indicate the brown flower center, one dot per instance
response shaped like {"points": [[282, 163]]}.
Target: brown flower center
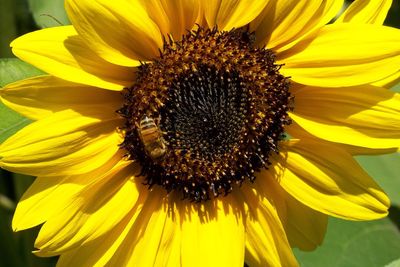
{"points": [[206, 114]]}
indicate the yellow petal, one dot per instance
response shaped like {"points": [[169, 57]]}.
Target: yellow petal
{"points": [[228, 14], [362, 11], [356, 150], [282, 24], [119, 31], [42, 96], [344, 54], [174, 17], [295, 131], [65, 143], [305, 228], [62, 53], [365, 116], [328, 179], [213, 234], [390, 81], [101, 251], [98, 208], [169, 249], [47, 196], [266, 242], [150, 236]]}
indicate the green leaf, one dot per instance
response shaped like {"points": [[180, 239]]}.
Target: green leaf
{"points": [[10, 122], [48, 13], [395, 263], [396, 88], [385, 169], [355, 244], [11, 70]]}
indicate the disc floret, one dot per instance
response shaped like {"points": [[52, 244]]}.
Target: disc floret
{"points": [[221, 106]]}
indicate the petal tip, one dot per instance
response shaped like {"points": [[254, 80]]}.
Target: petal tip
{"points": [[15, 224], [13, 42]]}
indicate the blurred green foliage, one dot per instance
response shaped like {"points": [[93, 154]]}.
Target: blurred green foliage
{"points": [[355, 244], [347, 244]]}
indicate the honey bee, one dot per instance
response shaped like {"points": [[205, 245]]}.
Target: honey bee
{"points": [[151, 138]]}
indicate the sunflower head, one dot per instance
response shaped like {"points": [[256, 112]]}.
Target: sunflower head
{"points": [[217, 105]]}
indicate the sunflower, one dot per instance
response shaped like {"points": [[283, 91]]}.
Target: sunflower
{"points": [[201, 133]]}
